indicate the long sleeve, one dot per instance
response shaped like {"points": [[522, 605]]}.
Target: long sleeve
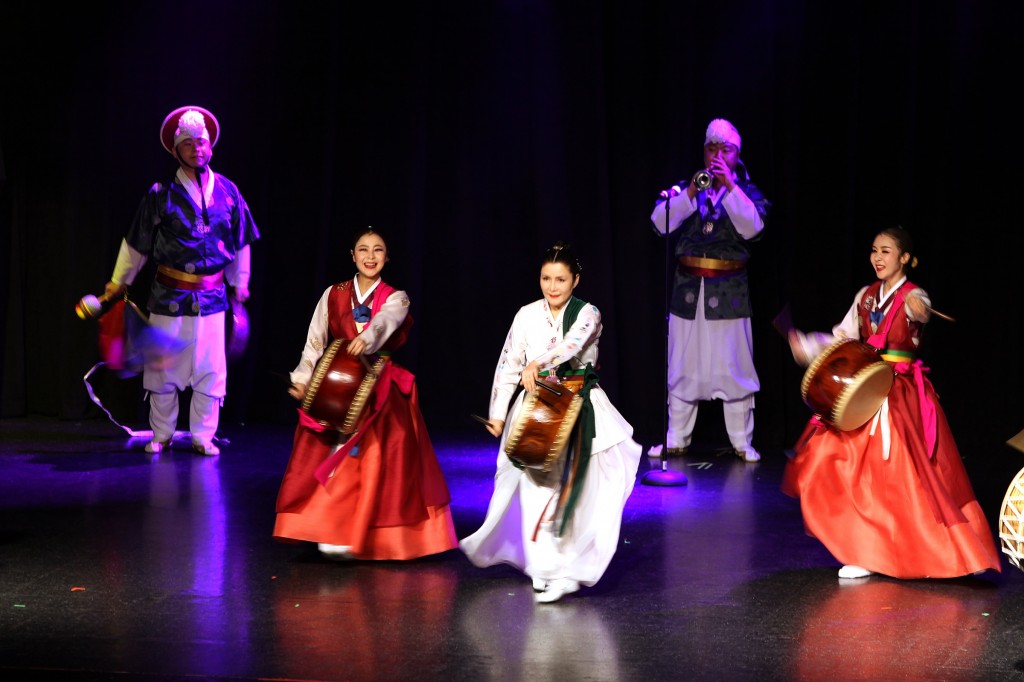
{"points": [[237, 271], [316, 341], [811, 344], [849, 327], [923, 295], [743, 213], [510, 366], [680, 208], [129, 263], [580, 336]]}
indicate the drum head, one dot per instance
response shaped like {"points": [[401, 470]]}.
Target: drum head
{"points": [[847, 383], [862, 397], [1011, 521]]}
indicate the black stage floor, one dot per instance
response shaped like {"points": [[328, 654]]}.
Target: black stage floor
{"points": [[118, 566]]}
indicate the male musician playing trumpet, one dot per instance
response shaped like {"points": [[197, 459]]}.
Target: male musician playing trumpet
{"points": [[710, 341]]}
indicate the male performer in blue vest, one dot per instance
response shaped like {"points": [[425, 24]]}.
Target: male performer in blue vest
{"points": [[197, 229], [710, 341]]}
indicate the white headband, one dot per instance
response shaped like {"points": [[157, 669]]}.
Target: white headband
{"points": [[192, 124], [721, 131]]}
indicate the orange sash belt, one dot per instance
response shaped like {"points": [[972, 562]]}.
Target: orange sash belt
{"points": [[709, 267], [176, 279]]}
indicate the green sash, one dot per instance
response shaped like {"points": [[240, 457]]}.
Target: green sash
{"points": [[582, 438]]}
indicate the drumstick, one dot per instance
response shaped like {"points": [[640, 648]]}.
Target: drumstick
{"points": [[938, 314], [283, 377], [547, 387], [1017, 442], [783, 322], [485, 422], [366, 364]]}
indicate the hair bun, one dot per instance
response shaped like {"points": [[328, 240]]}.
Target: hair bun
{"points": [[562, 252]]}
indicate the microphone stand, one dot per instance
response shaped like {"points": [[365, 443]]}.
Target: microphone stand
{"points": [[665, 476]]}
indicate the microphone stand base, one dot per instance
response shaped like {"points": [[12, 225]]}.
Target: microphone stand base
{"points": [[664, 477]]}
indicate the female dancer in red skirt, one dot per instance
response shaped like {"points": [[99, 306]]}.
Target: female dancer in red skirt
{"points": [[891, 496], [379, 493]]}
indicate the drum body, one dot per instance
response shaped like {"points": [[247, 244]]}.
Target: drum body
{"points": [[340, 388], [847, 383], [540, 434], [1011, 521]]}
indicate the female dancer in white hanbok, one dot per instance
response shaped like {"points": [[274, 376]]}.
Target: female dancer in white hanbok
{"points": [[560, 531]]}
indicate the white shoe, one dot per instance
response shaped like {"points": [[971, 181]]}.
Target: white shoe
{"points": [[336, 552], [155, 447], [556, 590], [749, 454], [851, 571], [539, 585], [208, 449]]}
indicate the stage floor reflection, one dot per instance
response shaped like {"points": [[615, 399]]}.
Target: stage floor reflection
{"points": [[116, 565]]}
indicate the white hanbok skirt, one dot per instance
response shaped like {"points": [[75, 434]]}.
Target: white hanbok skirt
{"points": [[519, 528]]}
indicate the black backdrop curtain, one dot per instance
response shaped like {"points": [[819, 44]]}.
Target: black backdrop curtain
{"points": [[475, 134]]}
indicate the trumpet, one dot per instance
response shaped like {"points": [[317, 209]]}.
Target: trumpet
{"points": [[702, 179]]}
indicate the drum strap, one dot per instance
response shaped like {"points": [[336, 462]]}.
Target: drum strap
{"points": [[572, 311], [579, 449], [583, 435]]}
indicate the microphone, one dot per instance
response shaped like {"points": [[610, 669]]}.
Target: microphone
{"points": [[673, 191]]}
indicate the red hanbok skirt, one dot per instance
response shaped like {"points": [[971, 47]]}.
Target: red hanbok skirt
{"points": [[387, 501], [908, 516]]}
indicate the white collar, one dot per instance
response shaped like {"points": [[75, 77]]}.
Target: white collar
{"points": [[884, 295], [554, 318], [361, 297], [193, 189]]}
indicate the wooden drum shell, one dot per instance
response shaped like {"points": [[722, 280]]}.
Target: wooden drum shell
{"points": [[340, 388], [847, 383], [540, 434]]}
